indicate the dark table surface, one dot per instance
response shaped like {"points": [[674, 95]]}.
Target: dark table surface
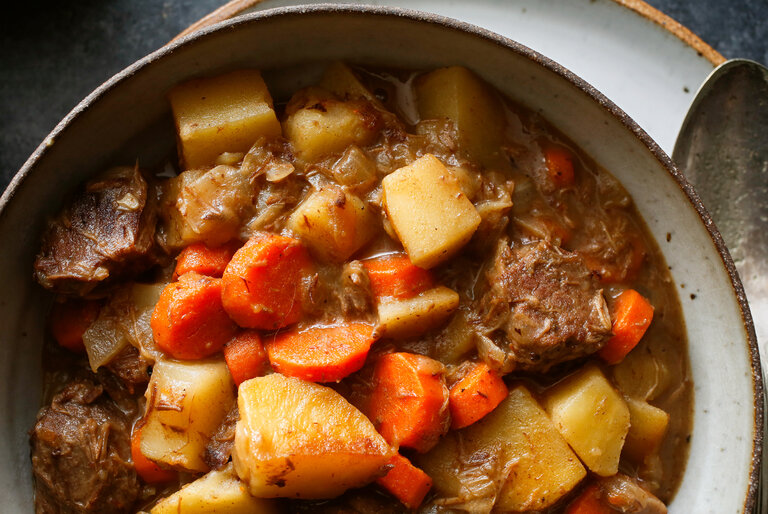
{"points": [[53, 53]]}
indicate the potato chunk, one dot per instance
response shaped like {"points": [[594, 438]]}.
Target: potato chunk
{"points": [[219, 492], [547, 468], [323, 126], [333, 223], [592, 417], [342, 81], [459, 95], [647, 427], [221, 114], [432, 217], [414, 316], [455, 342], [302, 440], [186, 403], [513, 459]]}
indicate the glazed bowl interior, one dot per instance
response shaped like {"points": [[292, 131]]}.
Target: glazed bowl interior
{"points": [[129, 117]]}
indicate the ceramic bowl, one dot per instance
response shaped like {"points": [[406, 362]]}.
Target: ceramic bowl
{"points": [[128, 116]]}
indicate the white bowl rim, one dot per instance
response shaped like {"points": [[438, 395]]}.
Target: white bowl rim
{"points": [[18, 181]]}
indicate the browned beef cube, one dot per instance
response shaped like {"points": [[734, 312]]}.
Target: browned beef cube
{"points": [[81, 454], [543, 305], [107, 231]]}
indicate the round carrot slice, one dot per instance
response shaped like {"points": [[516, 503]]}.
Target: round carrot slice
{"points": [[321, 354], [262, 285], [409, 402], [189, 321]]}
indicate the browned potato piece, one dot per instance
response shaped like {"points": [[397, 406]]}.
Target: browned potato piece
{"points": [[186, 403], [324, 126], [298, 439], [432, 217], [219, 492], [414, 316], [333, 223], [514, 457], [592, 417], [647, 427], [459, 95], [221, 114], [547, 469]]}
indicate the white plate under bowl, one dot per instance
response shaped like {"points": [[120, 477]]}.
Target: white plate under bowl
{"points": [[129, 116]]}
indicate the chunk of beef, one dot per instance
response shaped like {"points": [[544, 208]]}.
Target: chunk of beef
{"points": [[612, 246], [107, 231], [355, 292], [81, 454], [129, 367], [345, 292], [543, 306], [219, 449], [626, 496]]}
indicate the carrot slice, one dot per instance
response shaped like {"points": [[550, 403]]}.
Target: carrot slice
{"points": [[245, 356], [70, 320], [321, 354], [408, 405], [189, 321], [406, 482], [205, 260], [588, 502], [262, 284], [632, 317], [395, 276], [150, 472], [559, 162], [475, 395]]}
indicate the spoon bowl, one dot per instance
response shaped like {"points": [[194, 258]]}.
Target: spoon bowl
{"points": [[723, 150]]}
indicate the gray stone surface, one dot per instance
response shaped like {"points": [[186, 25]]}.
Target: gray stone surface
{"points": [[53, 53], [735, 28]]}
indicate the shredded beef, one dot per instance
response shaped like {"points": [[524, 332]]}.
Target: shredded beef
{"points": [[346, 292], [626, 496], [219, 449], [131, 369], [542, 306], [81, 454], [355, 292], [106, 232]]}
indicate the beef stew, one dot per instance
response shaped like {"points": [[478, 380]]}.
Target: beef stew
{"points": [[438, 302]]}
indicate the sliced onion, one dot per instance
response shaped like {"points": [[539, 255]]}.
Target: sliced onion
{"points": [[279, 170], [124, 321], [103, 340]]}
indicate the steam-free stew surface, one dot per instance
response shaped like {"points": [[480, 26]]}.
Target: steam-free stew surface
{"points": [[396, 290]]}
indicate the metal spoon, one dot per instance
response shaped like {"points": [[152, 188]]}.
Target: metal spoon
{"points": [[722, 148]]}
